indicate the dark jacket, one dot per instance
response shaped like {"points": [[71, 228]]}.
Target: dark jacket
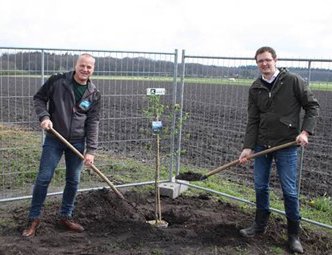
{"points": [[274, 117], [74, 121]]}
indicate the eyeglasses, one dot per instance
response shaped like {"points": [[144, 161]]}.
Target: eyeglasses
{"points": [[267, 60]]}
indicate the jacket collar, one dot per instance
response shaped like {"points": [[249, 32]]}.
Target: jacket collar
{"points": [[273, 76], [70, 77], [258, 83]]}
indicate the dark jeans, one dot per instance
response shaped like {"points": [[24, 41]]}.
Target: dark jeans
{"points": [[53, 149], [286, 163]]}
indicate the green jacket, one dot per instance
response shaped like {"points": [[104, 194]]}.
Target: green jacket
{"points": [[274, 117]]}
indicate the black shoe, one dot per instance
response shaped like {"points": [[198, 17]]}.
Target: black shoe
{"points": [[293, 228], [258, 226], [253, 230]]}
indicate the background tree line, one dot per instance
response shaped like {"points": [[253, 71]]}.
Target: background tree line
{"points": [[31, 63]]}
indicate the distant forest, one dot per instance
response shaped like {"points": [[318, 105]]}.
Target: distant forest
{"points": [[31, 63]]}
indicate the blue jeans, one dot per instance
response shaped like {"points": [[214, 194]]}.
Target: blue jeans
{"points": [[53, 149], [286, 163]]}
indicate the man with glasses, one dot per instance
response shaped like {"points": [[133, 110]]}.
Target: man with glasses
{"points": [[275, 102]]}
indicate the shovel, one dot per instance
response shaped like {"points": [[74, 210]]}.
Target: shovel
{"points": [[190, 176], [93, 167]]}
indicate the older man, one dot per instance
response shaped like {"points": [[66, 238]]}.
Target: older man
{"points": [[69, 103]]}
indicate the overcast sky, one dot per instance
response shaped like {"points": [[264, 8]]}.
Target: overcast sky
{"points": [[295, 28]]}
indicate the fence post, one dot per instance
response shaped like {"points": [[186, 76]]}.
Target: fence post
{"points": [[181, 92], [172, 148]]}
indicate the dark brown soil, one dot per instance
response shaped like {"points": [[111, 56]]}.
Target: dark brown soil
{"points": [[197, 225], [190, 176]]}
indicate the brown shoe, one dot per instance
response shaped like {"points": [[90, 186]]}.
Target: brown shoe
{"points": [[32, 228], [70, 225]]}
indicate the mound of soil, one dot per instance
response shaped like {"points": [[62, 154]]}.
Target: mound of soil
{"points": [[190, 176], [196, 225]]}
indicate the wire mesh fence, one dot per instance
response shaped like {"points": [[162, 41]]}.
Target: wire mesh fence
{"points": [[215, 97], [125, 131], [211, 90]]}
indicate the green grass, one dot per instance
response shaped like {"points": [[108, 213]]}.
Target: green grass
{"points": [[322, 203], [317, 208], [20, 153], [277, 250]]}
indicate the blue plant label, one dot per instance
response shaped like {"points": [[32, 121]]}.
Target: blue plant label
{"points": [[157, 126]]}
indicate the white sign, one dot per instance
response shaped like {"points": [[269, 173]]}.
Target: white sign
{"points": [[155, 91]]}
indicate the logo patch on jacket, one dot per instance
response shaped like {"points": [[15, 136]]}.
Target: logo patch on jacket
{"points": [[84, 105]]}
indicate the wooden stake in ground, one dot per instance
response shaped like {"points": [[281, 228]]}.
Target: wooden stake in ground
{"points": [[156, 126], [158, 222], [157, 177]]}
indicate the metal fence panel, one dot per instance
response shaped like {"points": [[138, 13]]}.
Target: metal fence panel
{"points": [[125, 130], [215, 97]]}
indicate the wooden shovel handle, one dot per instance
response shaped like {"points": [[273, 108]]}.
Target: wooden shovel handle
{"points": [[235, 162], [93, 167]]}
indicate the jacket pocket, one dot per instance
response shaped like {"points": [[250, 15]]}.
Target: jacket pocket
{"points": [[289, 122], [78, 125]]}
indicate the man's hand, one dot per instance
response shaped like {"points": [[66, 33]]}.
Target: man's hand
{"points": [[46, 124], [244, 155], [302, 139], [88, 160]]}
